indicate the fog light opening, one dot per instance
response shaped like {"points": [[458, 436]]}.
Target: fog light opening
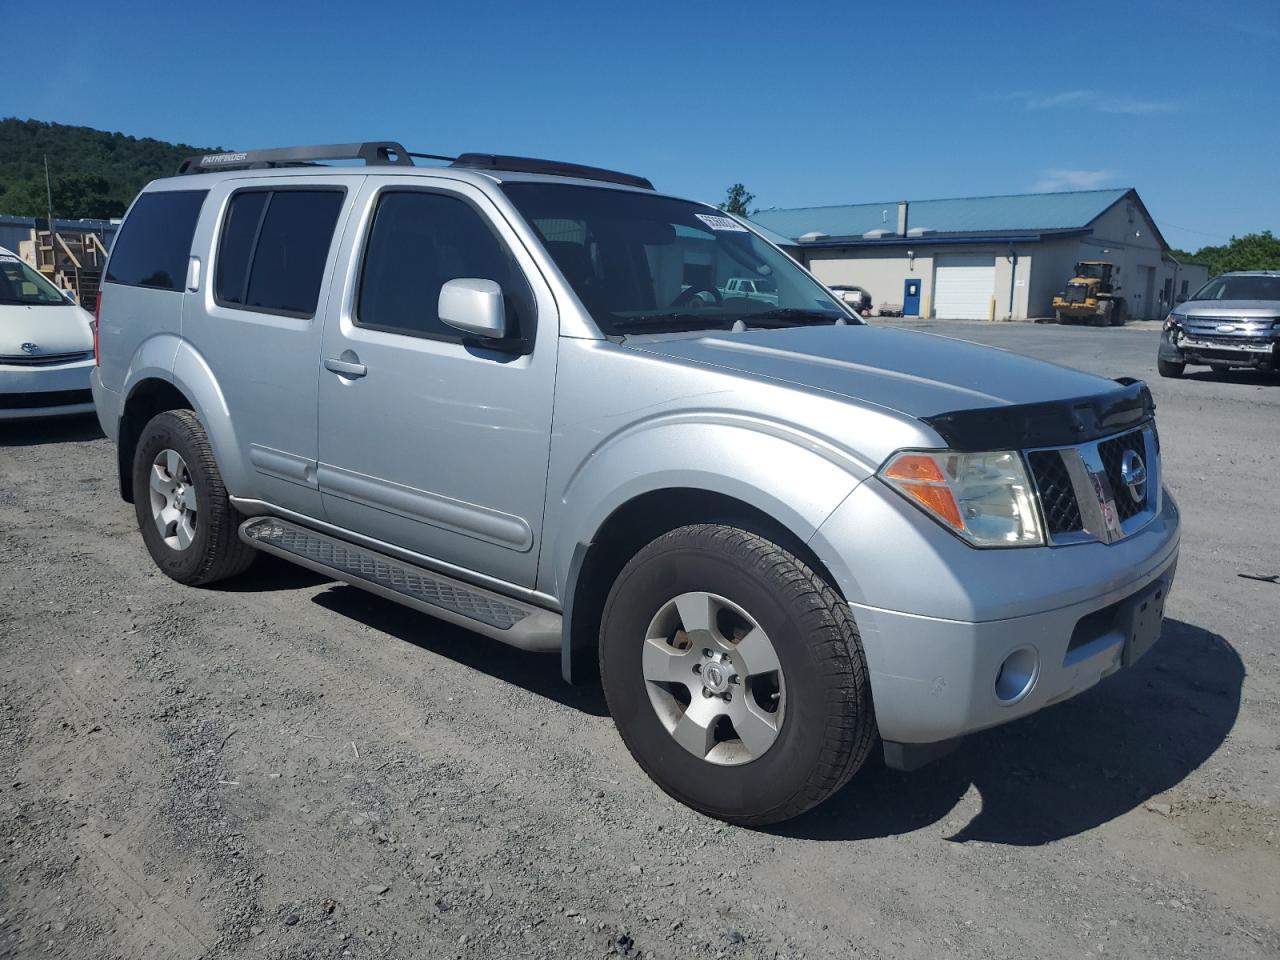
{"points": [[1017, 675]]}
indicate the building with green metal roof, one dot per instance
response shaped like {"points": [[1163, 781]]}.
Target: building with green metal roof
{"points": [[984, 257]]}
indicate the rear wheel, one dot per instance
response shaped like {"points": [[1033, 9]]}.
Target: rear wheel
{"points": [[184, 514], [735, 675], [1170, 368]]}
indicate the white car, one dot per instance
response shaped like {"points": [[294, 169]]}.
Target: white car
{"points": [[46, 346]]}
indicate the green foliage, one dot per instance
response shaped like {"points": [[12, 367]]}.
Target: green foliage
{"points": [[93, 173], [1253, 251], [736, 200]]}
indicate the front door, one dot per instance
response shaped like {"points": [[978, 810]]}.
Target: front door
{"points": [[911, 297], [428, 441]]}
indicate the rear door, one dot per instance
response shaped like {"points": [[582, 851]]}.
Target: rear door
{"points": [[436, 445], [256, 319]]}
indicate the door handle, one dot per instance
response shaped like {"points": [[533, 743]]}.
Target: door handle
{"points": [[348, 365]]}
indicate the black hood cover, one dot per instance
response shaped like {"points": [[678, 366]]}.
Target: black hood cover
{"points": [[1058, 423]]}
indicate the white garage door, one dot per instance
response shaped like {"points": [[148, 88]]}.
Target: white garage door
{"points": [[962, 286]]}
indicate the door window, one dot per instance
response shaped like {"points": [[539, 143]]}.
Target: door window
{"points": [[273, 250], [418, 242]]}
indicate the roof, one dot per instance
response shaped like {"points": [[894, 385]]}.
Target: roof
{"points": [[963, 216]]}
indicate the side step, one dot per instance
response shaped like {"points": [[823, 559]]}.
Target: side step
{"points": [[519, 624]]}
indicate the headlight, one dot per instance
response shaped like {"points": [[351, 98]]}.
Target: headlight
{"points": [[984, 498], [1173, 322]]}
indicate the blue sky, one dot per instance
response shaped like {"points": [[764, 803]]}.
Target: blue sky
{"points": [[806, 103]]}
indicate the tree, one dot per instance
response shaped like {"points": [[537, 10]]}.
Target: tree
{"points": [[93, 173], [1253, 251], [736, 200]]}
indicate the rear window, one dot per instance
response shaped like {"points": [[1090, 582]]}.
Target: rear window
{"points": [[155, 242], [273, 250]]}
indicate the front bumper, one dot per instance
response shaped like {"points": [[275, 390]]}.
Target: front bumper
{"points": [[1176, 347], [940, 620], [45, 391]]}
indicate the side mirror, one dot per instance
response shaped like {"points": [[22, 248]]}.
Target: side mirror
{"points": [[474, 307]]}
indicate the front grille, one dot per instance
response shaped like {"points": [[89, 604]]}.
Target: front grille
{"points": [[1244, 329], [1077, 293], [45, 359], [52, 398], [1112, 453], [1081, 490], [1057, 498]]}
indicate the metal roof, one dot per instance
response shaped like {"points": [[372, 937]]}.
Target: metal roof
{"points": [[1025, 212]]}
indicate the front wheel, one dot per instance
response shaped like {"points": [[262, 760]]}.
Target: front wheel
{"points": [[1170, 368], [184, 514], [735, 675]]}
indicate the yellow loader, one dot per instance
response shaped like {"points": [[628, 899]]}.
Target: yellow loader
{"points": [[1091, 296]]}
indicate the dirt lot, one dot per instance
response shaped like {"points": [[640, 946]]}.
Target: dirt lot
{"points": [[290, 768]]}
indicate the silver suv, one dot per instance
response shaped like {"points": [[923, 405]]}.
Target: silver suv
{"points": [[515, 395], [1232, 321]]}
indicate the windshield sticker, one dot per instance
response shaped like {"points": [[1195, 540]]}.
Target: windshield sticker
{"points": [[721, 223]]}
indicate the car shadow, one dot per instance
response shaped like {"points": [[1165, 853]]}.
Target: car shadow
{"points": [[1066, 769], [270, 573], [30, 433], [538, 673]]}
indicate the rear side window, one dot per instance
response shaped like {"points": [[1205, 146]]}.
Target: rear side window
{"points": [[419, 241], [155, 242], [273, 249]]}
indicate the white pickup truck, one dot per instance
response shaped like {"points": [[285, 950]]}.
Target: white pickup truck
{"points": [[752, 288]]}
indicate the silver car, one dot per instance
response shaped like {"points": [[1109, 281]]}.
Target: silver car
{"points": [[1232, 321], [46, 346], [514, 394]]}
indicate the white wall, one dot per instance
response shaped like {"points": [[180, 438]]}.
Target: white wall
{"points": [[1125, 237], [883, 272]]}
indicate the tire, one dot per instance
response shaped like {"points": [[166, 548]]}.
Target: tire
{"points": [[1220, 368], [202, 545], [1170, 368], [1118, 315], [824, 722]]}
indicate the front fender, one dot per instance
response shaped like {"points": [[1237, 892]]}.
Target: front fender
{"points": [[794, 477]]}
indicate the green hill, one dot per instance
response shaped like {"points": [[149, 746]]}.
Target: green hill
{"points": [[94, 173]]}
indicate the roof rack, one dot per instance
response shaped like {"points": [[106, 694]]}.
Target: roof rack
{"points": [[493, 161], [386, 153]]}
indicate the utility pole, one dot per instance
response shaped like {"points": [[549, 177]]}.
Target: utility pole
{"points": [[48, 189]]}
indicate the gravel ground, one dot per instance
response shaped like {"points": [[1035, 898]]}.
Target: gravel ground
{"points": [[286, 767]]}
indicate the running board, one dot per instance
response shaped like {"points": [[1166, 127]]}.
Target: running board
{"points": [[511, 621]]}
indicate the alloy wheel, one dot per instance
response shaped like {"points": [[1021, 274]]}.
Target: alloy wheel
{"points": [[713, 678]]}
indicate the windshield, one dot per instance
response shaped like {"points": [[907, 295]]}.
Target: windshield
{"points": [[20, 284], [1240, 288], [1093, 271], [645, 263]]}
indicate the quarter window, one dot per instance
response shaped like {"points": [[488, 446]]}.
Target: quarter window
{"points": [[155, 243], [273, 250], [418, 242]]}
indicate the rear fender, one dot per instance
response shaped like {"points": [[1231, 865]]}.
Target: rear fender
{"points": [[193, 376]]}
